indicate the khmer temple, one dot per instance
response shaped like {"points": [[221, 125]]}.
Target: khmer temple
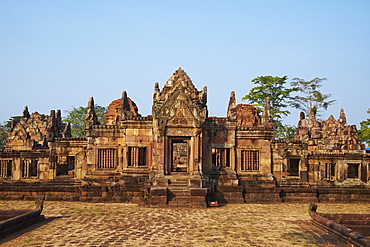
{"points": [[179, 156]]}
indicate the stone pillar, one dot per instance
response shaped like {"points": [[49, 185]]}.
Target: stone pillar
{"points": [[363, 168], [80, 165], [233, 158], [164, 163], [17, 172], [303, 169], [341, 171], [91, 154]]}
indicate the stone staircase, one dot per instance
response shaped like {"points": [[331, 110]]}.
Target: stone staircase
{"points": [[299, 195], [178, 193]]}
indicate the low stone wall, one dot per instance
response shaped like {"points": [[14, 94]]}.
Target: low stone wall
{"points": [[343, 194], [18, 222], [142, 194], [87, 193], [341, 230], [262, 195]]}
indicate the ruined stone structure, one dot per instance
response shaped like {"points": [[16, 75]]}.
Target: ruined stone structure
{"points": [[179, 156]]}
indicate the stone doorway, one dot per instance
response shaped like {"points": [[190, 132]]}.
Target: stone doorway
{"points": [[179, 155]]}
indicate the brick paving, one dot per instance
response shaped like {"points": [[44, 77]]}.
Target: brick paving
{"points": [[123, 224]]}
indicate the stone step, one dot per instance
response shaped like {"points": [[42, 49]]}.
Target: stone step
{"points": [[180, 200], [300, 199], [178, 188], [294, 183], [180, 193], [178, 183], [179, 204]]}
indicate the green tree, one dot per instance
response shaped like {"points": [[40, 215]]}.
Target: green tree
{"points": [[285, 131], [4, 130], [309, 97], [280, 95], [364, 131], [76, 117]]}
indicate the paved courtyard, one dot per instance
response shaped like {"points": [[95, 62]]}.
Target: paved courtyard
{"points": [[123, 224]]}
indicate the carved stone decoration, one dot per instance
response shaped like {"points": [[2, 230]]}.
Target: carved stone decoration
{"points": [[54, 125], [247, 115], [331, 134], [218, 135], [121, 109], [33, 131], [179, 103], [91, 118]]}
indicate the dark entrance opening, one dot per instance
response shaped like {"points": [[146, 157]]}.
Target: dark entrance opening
{"points": [[179, 155], [63, 169], [294, 167], [353, 170]]}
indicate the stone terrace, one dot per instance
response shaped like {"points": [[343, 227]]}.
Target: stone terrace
{"points": [[122, 224]]}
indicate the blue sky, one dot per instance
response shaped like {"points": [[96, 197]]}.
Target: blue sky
{"points": [[56, 54]]}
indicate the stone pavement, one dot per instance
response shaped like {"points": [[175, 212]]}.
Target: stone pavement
{"points": [[123, 224]]}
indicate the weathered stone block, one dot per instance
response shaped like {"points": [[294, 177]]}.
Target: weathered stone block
{"points": [[197, 183], [198, 192], [158, 191]]}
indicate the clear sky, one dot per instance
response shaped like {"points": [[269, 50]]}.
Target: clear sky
{"points": [[56, 54]]}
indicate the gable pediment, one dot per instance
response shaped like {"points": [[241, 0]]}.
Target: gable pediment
{"points": [[179, 104]]}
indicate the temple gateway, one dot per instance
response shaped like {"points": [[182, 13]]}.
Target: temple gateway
{"points": [[179, 156]]}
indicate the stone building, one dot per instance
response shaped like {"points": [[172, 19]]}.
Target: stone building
{"points": [[180, 156]]}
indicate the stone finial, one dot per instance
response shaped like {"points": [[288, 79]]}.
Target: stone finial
{"points": [[204, 95], [156, 87], [232, 105], [90, 105], [25, 113], [156, 91], [59, 114], [59, 118], [302, 115], [52, 114], [266, 114], [91, 118], [342, 117], [125, 105], [53, 127], [67, 131]]}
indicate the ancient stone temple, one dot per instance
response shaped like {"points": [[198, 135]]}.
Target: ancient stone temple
{"points": [[179, 156]]}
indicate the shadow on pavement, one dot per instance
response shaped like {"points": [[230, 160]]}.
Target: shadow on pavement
{"points": [[29, 229]]}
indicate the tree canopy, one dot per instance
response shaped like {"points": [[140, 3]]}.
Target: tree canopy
{"points": [[76, 117], [300, 94], [273, 87], [5, 128], [364, 131], [309, 97]]}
